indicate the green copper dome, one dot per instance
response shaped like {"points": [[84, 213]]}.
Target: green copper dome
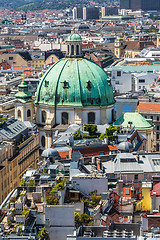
{"points": [[75, 82], [135, 119], [73, 37]]}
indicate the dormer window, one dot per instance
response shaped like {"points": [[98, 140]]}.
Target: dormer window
{"points": [[66, 85], [46, 83], [89, 85]]}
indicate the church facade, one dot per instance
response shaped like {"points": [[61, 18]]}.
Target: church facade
{"points": [[74, 90]]}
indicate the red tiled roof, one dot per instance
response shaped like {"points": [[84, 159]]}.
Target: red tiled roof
{"points": [[114, 147], [96, 150], [148, 106], [156, 188], [137, 45]]}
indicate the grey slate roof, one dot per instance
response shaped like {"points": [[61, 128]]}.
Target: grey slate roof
{"points": [[149, 163], [12, 129]]}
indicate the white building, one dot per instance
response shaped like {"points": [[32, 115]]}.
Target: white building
{"points": [[87, 184], [132, 78]]}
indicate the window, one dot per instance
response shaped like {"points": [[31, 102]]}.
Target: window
{"points": [[127, 191], [127, 108], [72, 195], [157, 147], [91, 118], [118, 73], [136, 177], [72, 50], [43, 116], [77, 49], [64, 119], [157, 118], [19, 113], [157, 136], [157, 127], [141, 80], [43, 141], [156, 161], [10, 58], [28, 113], [101, 153], [152, 117]]}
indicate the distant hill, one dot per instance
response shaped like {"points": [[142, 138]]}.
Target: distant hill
{"points": [[44, 4]]}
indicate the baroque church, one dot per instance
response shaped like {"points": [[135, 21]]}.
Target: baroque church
{"points": [[74, 90]]}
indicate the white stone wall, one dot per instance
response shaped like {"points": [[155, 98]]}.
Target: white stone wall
{"points": [[109, 115], [97, 115], [89, 184], [70, 112]]}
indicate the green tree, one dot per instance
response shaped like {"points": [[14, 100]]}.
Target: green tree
{"points": [[84, 219], [31, 183], [22, 182], [77, 136], [92, 129], [52, 198], [8, 221], [109, 133], [118, 129], [42, 234]]}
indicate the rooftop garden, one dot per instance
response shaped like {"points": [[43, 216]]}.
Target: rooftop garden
{"points": [[110, 133], [93, 200], [2, 120]]}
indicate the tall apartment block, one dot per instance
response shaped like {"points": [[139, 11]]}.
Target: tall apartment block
{"points": [[85, 13], [108, 11], [145, 5], [78, 13]]}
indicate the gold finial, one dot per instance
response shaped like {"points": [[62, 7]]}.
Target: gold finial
{"points": [[73, 26], [22, 78]]}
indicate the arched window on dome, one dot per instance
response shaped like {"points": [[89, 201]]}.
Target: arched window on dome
{"points": [[43, 141], [68, 49], [64, 118], [28, 113], [91, 118], [72, 49], [43, 115], [77, 50], [19, 113]]}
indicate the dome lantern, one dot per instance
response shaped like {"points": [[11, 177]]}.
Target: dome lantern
{"points": [[23, 94], [74, 45]]}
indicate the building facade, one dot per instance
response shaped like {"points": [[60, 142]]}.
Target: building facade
{"points": [[73, 91], [13, 164]]}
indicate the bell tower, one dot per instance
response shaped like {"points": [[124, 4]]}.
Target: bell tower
{"points": [[24, 103]]}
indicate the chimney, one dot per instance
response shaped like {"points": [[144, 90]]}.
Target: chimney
{"points": [[138, 158]]}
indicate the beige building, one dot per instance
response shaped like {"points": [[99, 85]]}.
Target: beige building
{"points": [[13, 164], [26, 59], [131, 48]]}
